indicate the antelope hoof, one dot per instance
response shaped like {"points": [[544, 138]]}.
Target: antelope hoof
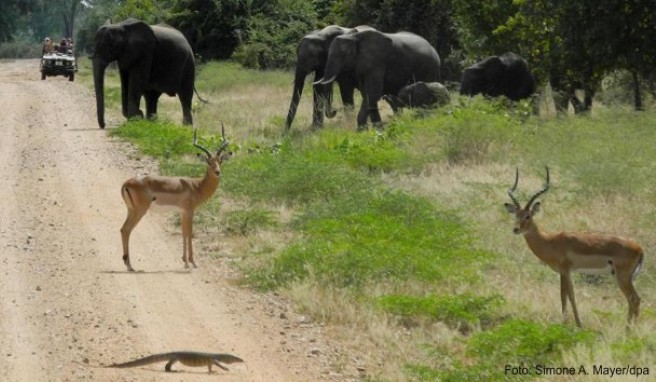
{"points": [[126, 260]]}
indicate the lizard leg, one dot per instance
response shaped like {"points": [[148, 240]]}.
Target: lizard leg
{"points": [[219, 365], [169, 364]]}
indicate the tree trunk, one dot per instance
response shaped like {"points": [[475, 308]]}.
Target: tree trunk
{"points": [[637, 96]]}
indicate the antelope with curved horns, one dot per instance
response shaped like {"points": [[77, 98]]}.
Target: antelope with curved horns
{"points": [[565, 252], [182, 192]]}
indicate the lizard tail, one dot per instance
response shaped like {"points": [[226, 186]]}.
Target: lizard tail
{"points": [[143, 361]]}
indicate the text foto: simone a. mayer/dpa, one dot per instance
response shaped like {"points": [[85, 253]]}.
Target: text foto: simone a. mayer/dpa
{"points": [[598, 369]]}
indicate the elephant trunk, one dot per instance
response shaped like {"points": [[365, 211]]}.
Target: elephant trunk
{"points": [[299, 80], [328, 95], [395, 102], [99, 85]]}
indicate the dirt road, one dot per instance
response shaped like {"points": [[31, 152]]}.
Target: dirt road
{"points": [[66, 300]]}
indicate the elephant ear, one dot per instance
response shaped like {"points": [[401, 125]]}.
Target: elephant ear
{"points": [[373, 48], [311, 51], [139, 42]]}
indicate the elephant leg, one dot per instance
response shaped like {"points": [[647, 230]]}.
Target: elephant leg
{"points": [[151, 103], [135, 91], [346, 91], [363, 114], [328, 106], [374, 93], [125, 80]]}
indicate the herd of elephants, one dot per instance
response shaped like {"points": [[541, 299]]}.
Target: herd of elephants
{"points": [[401, 68]]}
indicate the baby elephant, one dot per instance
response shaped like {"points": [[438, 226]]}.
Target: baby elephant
{"points": [[421, 95]]}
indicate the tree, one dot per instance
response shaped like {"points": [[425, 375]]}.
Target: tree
{"points": [[273, 32], [9, 12], [570, 44], [213, 27]]}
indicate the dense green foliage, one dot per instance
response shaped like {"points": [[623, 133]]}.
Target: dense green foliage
{"points": [[571, 45]]}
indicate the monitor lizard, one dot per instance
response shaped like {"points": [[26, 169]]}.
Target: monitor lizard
{"points": [[188, 358]]}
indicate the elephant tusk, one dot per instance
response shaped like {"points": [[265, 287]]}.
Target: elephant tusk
{"points": [[324, 81]]}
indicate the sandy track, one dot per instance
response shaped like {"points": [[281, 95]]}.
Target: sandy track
{"points": [[64, 294]]}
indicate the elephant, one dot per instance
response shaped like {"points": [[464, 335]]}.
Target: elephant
{"points": [[152, 59], [506, 75], [419, 94], [311, 56], [382, 63]]}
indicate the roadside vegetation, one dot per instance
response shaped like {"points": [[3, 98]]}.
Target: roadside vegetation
{"points": [[398, 240]]}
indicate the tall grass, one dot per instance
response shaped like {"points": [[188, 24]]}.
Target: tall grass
{"points": [[400, 234]]}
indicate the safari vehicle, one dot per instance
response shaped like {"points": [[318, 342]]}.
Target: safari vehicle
{"points": [[58, 64]]}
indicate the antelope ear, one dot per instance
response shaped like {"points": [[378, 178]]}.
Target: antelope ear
{"points": [[511, 208], [226, 156], [535, 208], [202, 157]]}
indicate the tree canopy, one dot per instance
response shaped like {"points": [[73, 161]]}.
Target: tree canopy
{"points": [[569, 44]]}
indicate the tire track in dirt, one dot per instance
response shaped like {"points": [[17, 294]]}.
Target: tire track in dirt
{"points": [[65, 297]]}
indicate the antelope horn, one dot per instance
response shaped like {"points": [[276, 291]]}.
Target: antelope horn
{"points": [[542, 191], [225, 142], [512, 190], [196, 145]]}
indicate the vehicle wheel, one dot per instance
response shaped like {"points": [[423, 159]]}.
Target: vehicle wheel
{"points": [[43, 76], [71, 77]]}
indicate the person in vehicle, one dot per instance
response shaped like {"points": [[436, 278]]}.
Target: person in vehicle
{"points": [[63, 46], [47, 45]]}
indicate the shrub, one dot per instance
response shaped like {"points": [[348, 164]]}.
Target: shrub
{"points": [[370, 237], [460, 311], [518, 341]]}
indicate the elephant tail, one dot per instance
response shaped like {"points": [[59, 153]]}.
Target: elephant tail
{"points": [[199, 97]]}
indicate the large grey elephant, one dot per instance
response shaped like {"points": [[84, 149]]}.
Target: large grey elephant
{"points": [[152, 59], [311, 56], [419, 95], [506, 75], [382, 63]]}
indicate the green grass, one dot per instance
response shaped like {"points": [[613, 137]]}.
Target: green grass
{"points": [[217, 77], [460, 311], [379, 238], [408, 222], [515, 343], [158, 139]]}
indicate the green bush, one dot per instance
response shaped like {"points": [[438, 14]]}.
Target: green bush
{"points": [[526, 342], [292, 177], [514, 343], [460, 310], [378, 236]]}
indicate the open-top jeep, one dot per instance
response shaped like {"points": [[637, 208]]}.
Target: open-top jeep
{"points": [[58, 64]]}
